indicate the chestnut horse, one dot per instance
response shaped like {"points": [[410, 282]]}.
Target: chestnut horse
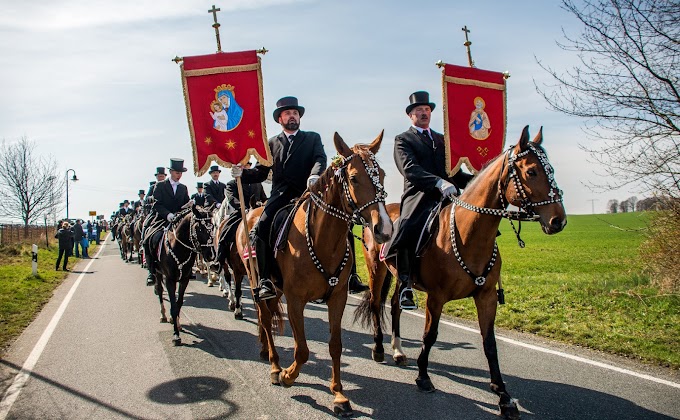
{"points": [[462, 259], [315, 261]]}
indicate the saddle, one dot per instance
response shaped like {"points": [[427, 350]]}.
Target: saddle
{"points": [[429, 229], [283, 219]]}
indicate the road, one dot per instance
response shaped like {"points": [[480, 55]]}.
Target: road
{"points": [[98, 351]]}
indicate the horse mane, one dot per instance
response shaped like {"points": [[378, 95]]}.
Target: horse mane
{"points": [[326, 177]]}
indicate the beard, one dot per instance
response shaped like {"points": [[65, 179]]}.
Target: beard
{"points": [[291, 125]]}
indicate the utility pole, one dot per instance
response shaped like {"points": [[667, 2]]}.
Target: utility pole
{"points": [[592, 203]]}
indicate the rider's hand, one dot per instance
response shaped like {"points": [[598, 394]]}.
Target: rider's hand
{"points": [[170, 217], [236, 170], [447, 189], [311, 180]]}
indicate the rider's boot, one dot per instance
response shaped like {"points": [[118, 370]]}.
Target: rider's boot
{"points": [[265, 287], [355, 285], [406, 300], [150, 279]]}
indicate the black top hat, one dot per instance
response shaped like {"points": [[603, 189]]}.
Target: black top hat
{"points": [[199, 184], [160, 170], [177, 165], [120, 204], [419, 98], [287, 102], [141, 192], [214, 168]]}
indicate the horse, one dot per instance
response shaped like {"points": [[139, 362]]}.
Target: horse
{"points": [[314, 262], [125, 238], [190, 233], [137, 226], [462, 258]]}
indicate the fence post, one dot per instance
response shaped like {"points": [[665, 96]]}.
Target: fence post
{"points": [[34, 258]]}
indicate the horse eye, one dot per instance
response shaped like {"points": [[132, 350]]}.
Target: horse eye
{"points": [[531, 172], [353, 179]]}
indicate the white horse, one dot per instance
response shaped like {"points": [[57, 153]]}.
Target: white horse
{"points": [[219, 216]]}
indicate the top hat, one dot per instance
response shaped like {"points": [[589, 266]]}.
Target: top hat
{"points": [[214, 168], [199, 184], [287, 102], [419, 98], [177, 165], [141, 192], [126, 202], [160, 170], [120, 204]]}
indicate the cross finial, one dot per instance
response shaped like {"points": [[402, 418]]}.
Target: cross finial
{"points": [[216, 26], [467, 45]]}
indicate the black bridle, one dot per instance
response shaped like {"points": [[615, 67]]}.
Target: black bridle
{"points": [[195, 244]]}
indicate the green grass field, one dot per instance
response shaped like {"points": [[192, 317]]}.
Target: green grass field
{"points": [[585, 286]]}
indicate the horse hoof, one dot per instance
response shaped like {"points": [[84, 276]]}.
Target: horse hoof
{"points": [[232, 306], [510, 411], [176, 340], [283, 382], [164, 320], [400, 360], [378, 357], [425, 385], [238, 315], [274, 377], [342, 409]]}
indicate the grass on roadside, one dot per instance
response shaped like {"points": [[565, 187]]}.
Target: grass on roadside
{"points": [[584, 286]]}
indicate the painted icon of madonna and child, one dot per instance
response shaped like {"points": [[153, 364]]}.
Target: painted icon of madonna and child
{"points": [[224, 110]]}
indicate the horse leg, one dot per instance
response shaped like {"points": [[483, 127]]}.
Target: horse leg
{"points": [[158, 286], [265, 313], [336, 307], [377, 286], [171, 286], [432, 315], [399, 356], [486, 302], [183, 283], [238, 311], [296, 308]]}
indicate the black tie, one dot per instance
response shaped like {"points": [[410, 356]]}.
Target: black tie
{"points": [[427, 135], [286, 145]]}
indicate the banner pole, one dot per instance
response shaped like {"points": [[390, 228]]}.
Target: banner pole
{"points": [[251, 261]]}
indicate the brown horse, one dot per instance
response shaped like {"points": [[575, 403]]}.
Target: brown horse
{"points": [[462, 259], [315, 262]]}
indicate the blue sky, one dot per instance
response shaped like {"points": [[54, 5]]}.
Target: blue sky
{"points": [[91, 82]]}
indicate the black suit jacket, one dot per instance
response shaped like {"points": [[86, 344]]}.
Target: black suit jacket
{"points": [[202, 200], [216, 191], [167, 202], [249, 190], [306, 157], [422, 164]]}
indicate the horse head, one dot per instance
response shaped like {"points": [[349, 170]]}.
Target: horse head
{"points": [[202, 232], [531, 183], [363, 185]]}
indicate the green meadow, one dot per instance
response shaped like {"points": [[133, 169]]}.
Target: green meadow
{"points": [[584, 286]]}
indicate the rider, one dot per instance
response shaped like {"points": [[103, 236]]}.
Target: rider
{"points": [[419, 153], [299, 159], [169, 195], [216, 188], [200, 198], [141, 200]]}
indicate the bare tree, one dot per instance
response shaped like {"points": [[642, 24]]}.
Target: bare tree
{"points": [[30, 183], [627, 88], [612, 206], [624, 206], [633, 201]]}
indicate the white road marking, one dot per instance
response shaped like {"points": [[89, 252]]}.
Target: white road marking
{"points": [[20, 380], [554, 352]]}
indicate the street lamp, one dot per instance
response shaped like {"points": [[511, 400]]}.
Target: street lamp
{"points": [[75, 178]]}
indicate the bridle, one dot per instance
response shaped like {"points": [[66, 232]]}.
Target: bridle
{"points": [[526, 206], [373, 171], [195, 245]]}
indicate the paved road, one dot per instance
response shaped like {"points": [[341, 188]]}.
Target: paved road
{"points": [[109, 357]]}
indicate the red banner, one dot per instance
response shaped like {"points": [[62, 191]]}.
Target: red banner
{"points": [[474, 116], [225, 109]]}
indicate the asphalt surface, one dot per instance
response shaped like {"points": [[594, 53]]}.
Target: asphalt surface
{"points": [[110, 357]]}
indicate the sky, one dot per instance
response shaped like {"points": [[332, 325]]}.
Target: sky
{"points": [[93, 85]]}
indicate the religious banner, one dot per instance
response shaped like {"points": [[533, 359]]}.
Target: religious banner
{"points": [[474, 116], [225, 109]]}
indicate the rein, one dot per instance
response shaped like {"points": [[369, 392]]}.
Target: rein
{"points": [[196, 245]]}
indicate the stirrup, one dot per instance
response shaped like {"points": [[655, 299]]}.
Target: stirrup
{"points": [[401, 299]]}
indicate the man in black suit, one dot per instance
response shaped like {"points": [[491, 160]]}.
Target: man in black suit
{"points": [[200, 197], [215, 188], [254, 190], [299, 159], [419, 154], [141, 200], [160, 176], [169, 197]]}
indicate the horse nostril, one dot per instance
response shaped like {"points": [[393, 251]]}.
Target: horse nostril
{"points": [[556, 223]]}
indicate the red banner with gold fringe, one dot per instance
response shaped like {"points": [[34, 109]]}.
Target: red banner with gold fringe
{"points": [[225, 109], [474, 116]]}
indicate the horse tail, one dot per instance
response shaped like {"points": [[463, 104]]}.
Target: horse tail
{"points": [[363, 313], [278, 324]]}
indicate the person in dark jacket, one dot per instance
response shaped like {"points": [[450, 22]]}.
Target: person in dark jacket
{"points": [[299, 159], [78, 235], [65, 243], [200, 198], [216, 188], [419, 153]]}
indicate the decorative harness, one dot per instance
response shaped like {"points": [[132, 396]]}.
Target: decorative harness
{"points": [[373, 172], [196, 245], [526, 212]]}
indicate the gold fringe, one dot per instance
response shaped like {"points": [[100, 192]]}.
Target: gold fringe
{"points": [[220, 70], [470, 82]]}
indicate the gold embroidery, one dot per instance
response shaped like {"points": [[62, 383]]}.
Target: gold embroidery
{"points": [[220, 70], [470, 82]]}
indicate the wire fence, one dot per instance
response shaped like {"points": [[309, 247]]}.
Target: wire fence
{"points": [[18, 234]]}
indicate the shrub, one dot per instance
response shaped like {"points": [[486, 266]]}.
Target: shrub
{"points": [[661, 250]]}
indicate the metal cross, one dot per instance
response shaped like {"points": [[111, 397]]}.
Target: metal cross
{"points": [[216, 26], [467, 45]]}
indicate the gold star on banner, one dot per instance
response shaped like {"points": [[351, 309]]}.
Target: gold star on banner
{"points": [[231, 144], [208, 140], [251, 133]]}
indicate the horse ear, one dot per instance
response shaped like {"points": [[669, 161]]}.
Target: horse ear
{"points": [[523, 142], [375, 146], [341, 146], [194, 210], [539, 137]]}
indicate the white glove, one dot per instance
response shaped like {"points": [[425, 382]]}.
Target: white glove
{"points": [[218, 205], [236, 170], [170, 217], [447, 189], [311, 180]]}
